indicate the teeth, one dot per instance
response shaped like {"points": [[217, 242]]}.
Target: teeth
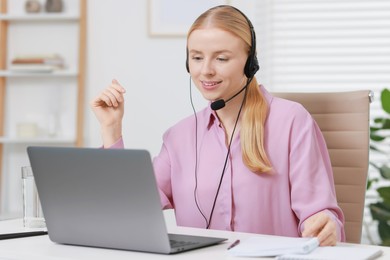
{"points": [[209, 83]]}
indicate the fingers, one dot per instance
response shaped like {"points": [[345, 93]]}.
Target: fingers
{"points": [[313, 225], [115, 84], [330, 240], [328, 235], [323, 227], [112, 96]]}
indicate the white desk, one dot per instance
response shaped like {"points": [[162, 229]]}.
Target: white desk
{"points": [[40, 247]]}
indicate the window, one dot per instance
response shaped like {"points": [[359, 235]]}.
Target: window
{"points": [[324, 45]]}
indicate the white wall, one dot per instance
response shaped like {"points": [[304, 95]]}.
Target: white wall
{"points": [[151, 69]]}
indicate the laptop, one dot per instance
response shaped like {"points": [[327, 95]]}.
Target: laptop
{"points": [[105, 198]]}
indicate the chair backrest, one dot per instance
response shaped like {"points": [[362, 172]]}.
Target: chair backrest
{"points": [[343, 118]]}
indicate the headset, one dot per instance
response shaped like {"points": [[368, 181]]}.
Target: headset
{"points": [[252, 63]]}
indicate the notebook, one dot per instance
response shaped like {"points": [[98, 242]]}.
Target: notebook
{"points": [[262, 246], [336, 253], [299, 248], [105, 198]]}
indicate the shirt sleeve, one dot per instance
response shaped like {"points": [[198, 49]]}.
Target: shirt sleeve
{"points": [[118, 144], [311, 175], [162, 169]]}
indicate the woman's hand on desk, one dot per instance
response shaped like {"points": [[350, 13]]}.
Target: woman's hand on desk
{"points": [[321, 225], [108, 107]]}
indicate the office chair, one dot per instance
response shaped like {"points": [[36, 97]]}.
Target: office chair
{"points": [[343, 118]]}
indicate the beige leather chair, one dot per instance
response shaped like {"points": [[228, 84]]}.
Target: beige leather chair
{"points": [[343, 118]]}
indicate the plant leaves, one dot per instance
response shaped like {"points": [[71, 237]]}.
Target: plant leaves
{"points": [[384, 192], [371, 181], [380, 123], [377, 138], [386, 123], [374, 148], [384, 232], [380, 211], [385, 172], [374, 128], [378, 120], [385, 99]]}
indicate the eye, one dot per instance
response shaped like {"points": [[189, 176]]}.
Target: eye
{"points": [[223, 59], [197, 58]]}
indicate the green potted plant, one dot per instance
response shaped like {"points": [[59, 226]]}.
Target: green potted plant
{"points": [[380, 136]]}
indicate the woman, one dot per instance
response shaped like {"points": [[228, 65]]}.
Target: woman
{"points": [[251, 162]]}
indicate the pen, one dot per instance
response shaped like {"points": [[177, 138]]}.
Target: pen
{"points": [[234, 244], [22, 234]]}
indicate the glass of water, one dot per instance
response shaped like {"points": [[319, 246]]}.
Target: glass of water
{"points": [[32, 210]]}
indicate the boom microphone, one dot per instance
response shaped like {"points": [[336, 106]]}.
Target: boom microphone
{"points": [[220, 103]]}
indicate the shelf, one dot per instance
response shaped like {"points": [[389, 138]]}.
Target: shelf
{"points": [[21, 87], [39, 17], [37, 140], [56, 73]]}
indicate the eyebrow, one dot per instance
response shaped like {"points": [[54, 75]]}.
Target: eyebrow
{"points": [[217, 52]]}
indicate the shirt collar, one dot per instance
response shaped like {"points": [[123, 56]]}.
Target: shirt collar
{"points": [[212, 115]]}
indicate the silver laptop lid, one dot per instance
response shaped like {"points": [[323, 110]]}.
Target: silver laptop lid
{"points": [[101, 198]]}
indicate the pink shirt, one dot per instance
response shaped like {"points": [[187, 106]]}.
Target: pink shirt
{"points": [[301, 183]]}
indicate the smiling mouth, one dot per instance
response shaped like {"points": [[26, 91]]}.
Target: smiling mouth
{"points": [[210, 84]]}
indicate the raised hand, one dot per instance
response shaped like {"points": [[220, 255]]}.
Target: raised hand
{"points": [[108, 107]]}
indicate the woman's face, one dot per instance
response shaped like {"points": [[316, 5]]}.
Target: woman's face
{"points": [[216, 60]]}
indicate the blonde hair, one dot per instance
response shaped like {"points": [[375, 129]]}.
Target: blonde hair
{"points": [[255, 109]]}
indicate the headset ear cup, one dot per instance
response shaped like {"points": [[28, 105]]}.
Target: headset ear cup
{"points": [[251, 66], [247, 68], [187, 66], [256, 65]]}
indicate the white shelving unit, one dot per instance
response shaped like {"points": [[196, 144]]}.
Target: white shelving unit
{"points": [[61, 73], [39, 17], [39, 141], [51, 101]]}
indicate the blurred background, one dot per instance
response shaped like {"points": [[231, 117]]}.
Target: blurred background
{"points": [[302, 45]]}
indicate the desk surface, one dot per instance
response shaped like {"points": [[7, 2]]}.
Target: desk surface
{"points": [[42, 248]]}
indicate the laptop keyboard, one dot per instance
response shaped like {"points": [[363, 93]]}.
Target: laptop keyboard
{"points": [[177, 243]]}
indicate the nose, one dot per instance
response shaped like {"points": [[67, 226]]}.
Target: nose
{"points": [[208, 67]]}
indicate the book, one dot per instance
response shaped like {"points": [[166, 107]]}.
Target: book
{"points": [[336, 252], [262, 246], [39, 63], [50, 61]]}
